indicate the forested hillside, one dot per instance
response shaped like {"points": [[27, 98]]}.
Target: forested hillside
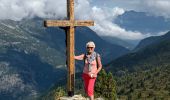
{"points": [[144, 74]]}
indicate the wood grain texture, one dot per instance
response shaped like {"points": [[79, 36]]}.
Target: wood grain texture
{"points": [[70, 28]]}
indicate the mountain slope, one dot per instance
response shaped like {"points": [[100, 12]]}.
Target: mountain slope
{"points": [[26, 63], [145, 85], [120, 42], [143, 74], [142, 22], [152, 40], [139, 22], [32, 58], [56, 36], [107, 50], [152, 55]]}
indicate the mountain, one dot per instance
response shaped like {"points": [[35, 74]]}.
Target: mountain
{"points": [[152, 84], [144, 73], [120, 42], [28, 66], [107, 50], [141, 74], [152, 40], [142, 22], [32, 57], [152, 55], [82, 36]]}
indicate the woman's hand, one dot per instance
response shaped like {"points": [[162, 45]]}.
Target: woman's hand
{"points": [[92, 75], [79, 57]]}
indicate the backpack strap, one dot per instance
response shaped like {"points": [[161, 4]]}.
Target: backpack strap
{"points": [[97, 55]]}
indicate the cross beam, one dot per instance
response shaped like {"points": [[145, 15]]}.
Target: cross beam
{"points": [[70, 29], [50, 23]]}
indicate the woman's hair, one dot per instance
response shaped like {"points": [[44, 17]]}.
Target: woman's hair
{"points": [[90, 44]]}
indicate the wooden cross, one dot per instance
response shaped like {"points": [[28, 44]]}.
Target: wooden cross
{"points": [[70, 28]]}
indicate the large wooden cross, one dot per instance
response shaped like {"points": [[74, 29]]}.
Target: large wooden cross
{"points": [[70, 28]]}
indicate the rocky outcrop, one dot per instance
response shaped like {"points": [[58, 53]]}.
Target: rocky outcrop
{"points": [[77, 97]]}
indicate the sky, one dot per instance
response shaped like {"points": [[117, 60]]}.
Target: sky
{"points": [[103, 12]]}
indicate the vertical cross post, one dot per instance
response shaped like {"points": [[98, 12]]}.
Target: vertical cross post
{"points": [[70, 48], [70, 28]]}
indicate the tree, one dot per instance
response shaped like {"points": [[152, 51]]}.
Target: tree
{"points": [[55, 94], [106, 86]]}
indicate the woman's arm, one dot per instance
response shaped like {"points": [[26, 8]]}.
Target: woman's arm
{"points": [[79, 57], [99, 65]]}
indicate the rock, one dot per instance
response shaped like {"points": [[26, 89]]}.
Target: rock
{"points": [[77, 97]]}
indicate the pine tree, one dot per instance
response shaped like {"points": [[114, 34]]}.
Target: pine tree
{"points": [[106, 86], [55, 94]]}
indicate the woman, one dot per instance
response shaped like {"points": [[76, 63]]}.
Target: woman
{"points": [[92, 66]]}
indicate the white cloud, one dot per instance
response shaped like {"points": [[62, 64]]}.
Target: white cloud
{"points": [[82, 9], [156, 7], [104, 25], [117, 11], [18, 9], [104, 21], [103, 16]]}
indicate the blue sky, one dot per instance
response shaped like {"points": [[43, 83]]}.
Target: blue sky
{"points": [[103, 12]]}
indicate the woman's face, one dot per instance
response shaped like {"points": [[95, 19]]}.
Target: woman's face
{"points": [[90, 49]]}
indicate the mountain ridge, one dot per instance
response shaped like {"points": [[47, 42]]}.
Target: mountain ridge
{"points": [[152, 55], [33, 57], [142, 22], [151, 40]]}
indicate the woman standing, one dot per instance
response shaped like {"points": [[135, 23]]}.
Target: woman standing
{"points": [[92, 66]]}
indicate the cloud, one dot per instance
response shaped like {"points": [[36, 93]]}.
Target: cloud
{"points": [[18, 9], [104, 25], [103, 16], [156, 7], [104, 20]]}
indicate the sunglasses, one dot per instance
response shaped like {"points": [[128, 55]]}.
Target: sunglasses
{"points": [[90, 47]]}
